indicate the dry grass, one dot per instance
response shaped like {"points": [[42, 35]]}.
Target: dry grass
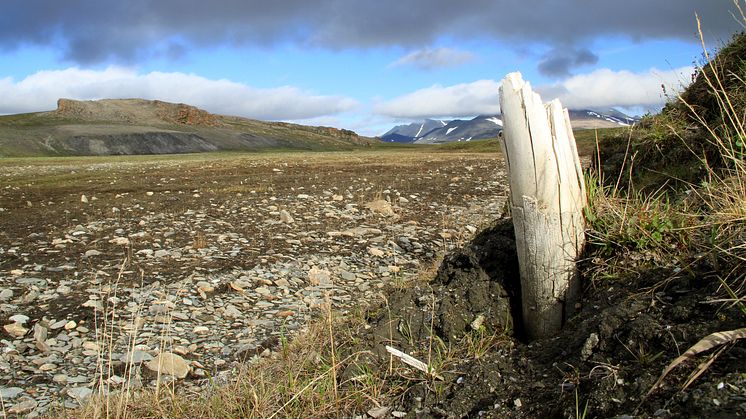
{"points": [[703, 221]]}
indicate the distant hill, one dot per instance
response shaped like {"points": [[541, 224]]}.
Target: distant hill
{"points": [[489, 126], [408, 133], [137, 126]]}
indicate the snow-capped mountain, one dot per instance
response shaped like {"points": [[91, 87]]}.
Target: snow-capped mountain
{"points": [[607, 118], [432, 131], [408, 133], [481, 127]]}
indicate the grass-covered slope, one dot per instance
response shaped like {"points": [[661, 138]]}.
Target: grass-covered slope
{"points": [[135, 126]]}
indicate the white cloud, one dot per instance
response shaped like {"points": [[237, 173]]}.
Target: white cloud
{"points": [[606, 88], [41, 90], [601, 88], [467, 99], [429, 59]]}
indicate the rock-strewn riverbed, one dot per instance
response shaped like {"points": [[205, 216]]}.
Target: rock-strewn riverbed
{"points": [[112, 271]]}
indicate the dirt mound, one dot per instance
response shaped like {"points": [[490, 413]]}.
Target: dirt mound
{"points": [[603, 362]]}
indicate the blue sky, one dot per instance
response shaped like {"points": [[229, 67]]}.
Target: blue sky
{"points": [[358, 65]]}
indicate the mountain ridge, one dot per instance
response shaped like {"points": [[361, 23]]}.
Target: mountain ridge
{"points": [[489, 126], [140, 126]]}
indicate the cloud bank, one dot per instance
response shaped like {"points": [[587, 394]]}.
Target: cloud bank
{"points": [[41, 90], [90, 31], [602, 88], [467, 99]]}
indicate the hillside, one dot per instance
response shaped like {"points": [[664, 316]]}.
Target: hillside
{"points": [[137, 126]]}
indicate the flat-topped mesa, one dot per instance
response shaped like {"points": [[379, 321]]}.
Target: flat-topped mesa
{"points": [[136, 111], [186, 114]]}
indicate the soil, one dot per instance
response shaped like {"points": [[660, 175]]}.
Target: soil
{"points": [[640, 322]]}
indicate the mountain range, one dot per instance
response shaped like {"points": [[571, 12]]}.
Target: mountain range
{"points": [[433, 131], [138, 126]]}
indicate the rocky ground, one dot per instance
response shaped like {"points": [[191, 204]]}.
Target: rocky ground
{"points": [[122, 273]]}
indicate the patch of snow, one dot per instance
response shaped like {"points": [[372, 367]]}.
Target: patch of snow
{"points": [[451, 130], [496, 121], [444, 124], [469, 139], [420, 131]]}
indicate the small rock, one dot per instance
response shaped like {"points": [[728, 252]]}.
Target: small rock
{"points": [[16, 330], [83, 199], [6, 294], [23, 407], [19, 318], [381, 207], [232, 311], [318, 276], [8, 393], [136, 357], [379, 412], [40, 333], [80, 394], [374, 251], [588, 346], [94, 304], [91, 253], [286, 218], [478, 322], [200, 330], [161, 253], [71, 324], [169, 364]]}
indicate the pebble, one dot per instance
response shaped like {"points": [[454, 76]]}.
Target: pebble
{"points": [[23, 407], [267, 261], [170, 364], [19, 318], [80, 394], [8, 393], [15, 330]]}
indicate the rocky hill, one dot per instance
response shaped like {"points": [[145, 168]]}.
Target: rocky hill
{"points": [[137, 126]]}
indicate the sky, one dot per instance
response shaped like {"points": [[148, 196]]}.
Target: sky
{"points": [[360, 65]]}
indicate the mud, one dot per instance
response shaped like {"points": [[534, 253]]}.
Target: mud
{"points": [[602, 364]]}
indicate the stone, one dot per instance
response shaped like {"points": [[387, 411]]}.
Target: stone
{"points": [[16, 330], [318, 276], [201, 330], [136, 357], [19, 318], [169, 364], [91, 253], [161, 253], [381, 207], [8, 393], [72, 324], [83, 199], [379, 412], [80, 394], [6, 294], [232, 311], [40, 333], [94, 304], [23, 407], [286, 218], [374, 251], [588, 346]]}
